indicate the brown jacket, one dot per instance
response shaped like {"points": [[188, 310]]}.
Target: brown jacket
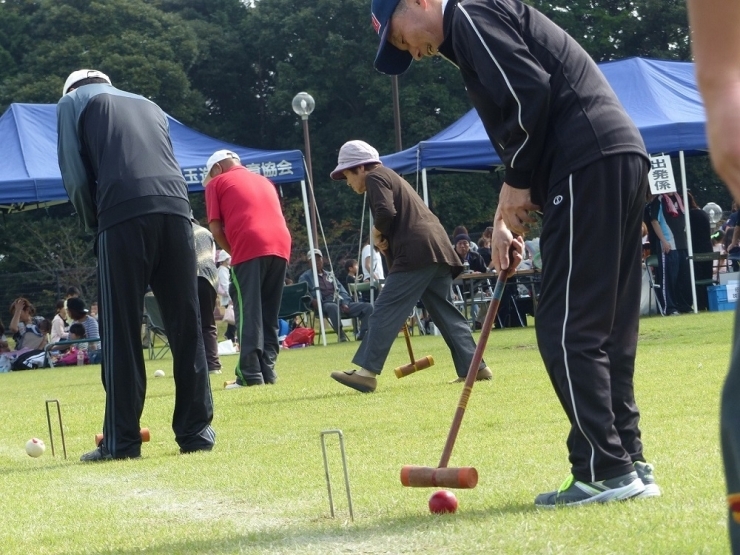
{"points": [[415, 237]]}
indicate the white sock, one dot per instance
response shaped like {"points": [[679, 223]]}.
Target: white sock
{"points": [[366, 373]]}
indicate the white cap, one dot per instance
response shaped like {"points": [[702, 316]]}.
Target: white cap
{"points": [[81, 74], [353, 154], [223, 256], [314, 252], [219, 155]]}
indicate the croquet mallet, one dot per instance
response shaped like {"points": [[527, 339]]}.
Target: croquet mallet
{"points": [[465, 477], [144, 433], [415, 365]]}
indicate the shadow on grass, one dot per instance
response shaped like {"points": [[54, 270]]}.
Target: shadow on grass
{"points": [[317, 533]]}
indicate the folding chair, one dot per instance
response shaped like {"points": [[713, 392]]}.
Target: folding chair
{"points": [[296, 303], [706, 257], [155, 327]]}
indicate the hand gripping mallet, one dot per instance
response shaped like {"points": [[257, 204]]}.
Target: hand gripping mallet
{"points": [[463, 477], [415, 365]]}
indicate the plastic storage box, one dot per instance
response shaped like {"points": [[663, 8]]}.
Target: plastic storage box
{"points": [[723, 297]]}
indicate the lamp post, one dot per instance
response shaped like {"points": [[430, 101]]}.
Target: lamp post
{"points": [[396, 112], [303, 104]]}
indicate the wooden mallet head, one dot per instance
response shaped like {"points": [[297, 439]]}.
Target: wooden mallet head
{"points": [[144, 433], [465, 477], [417, 365]]}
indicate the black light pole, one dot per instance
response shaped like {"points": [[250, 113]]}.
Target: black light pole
{"points": [[303, 105], [396, 112]]}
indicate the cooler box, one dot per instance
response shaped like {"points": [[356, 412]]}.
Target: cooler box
{"points": [[723, 297]]}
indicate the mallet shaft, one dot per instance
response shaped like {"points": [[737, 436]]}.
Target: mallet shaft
{"points": [[473, 370], [408, 344]]}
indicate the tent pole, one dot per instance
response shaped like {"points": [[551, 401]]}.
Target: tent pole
{"points": [[424, 188], [688, 229], [311, 247]]}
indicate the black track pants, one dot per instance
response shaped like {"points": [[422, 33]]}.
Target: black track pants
{"points": [[588, 314], [154, 250]]}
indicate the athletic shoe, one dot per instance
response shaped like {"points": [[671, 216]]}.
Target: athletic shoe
{"points": [[645, 473], [215, 371], [232, 385], [351, 379], [575, 492], [101, 454], [484, 374]]}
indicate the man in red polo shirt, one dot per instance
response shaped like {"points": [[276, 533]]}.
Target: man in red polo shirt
{"points": [[246, 220]]}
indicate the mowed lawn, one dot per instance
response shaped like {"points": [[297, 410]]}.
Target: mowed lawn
{"points": [[262, 489]]}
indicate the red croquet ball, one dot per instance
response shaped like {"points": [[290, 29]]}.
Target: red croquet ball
{"points": [[443, 501]]}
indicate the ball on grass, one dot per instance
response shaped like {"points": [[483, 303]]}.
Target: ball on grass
{"points": [[35, 447], [159, 373], [442, 501]]}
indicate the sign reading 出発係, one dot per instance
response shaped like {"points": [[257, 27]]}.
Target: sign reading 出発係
{"points": [[661, 175]]}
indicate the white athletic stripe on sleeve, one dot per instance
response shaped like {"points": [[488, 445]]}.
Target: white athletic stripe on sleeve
{"points": [[506, 79]]}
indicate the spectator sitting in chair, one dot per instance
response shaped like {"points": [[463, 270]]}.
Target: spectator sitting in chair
{"points": [[24, 327], [77, 311], [76, 331], [335, 299], [462, 248], [58, 324], [472, 261]]}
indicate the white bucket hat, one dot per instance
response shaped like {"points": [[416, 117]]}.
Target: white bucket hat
{"points": [[353, 154]]}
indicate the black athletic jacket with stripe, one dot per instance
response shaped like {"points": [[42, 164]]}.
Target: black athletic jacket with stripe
{"points": [[544, 103], [116, 157]]}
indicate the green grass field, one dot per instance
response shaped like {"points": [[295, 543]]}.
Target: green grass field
{"points": [[262, 489]]}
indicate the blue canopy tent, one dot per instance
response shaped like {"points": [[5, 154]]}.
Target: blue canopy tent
{"points": [[29, 172], [660, 96], [30, 176]]}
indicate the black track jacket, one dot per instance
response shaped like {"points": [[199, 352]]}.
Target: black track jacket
{"points": [[544, 103], [116, 157]]}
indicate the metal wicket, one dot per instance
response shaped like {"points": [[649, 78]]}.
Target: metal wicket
{"points": [[61, 427], [344, 467]]}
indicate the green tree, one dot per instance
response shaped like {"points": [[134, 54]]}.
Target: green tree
{"points": [[616, 29], [141, 48]]}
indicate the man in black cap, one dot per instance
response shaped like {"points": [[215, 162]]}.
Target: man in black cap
{"points": [[120, 172], [569, 150]]}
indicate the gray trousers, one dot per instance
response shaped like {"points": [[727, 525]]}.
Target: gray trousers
{"points": [[401, 292], [730, 434]]}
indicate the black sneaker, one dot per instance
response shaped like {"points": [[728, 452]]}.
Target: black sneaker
{"points": [[575, 492], [645, 473], [102, 454]]}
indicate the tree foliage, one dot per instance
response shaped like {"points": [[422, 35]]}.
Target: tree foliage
{"points": [[230, 68]]}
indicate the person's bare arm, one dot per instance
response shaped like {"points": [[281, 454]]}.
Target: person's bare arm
{"points": [[217, 230], [13, 326], [716, 48], [659, 232]]}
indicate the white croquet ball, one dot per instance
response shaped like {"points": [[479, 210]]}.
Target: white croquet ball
{"points": [[35, 447], [159, 373]]}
